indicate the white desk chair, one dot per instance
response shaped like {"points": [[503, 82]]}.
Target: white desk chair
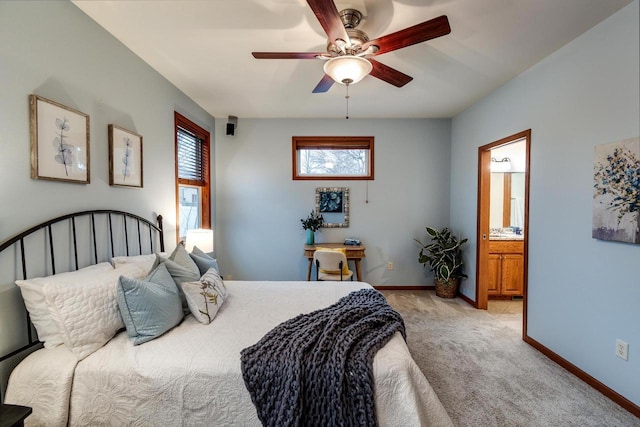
{"points": [[331, 265]]}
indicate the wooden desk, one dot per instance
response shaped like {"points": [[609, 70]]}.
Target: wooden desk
{"points": [[354, 252]]}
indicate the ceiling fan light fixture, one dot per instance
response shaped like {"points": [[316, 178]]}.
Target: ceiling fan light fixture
{"points": [[347, 69]]}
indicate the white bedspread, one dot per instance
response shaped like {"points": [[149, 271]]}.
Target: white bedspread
{"points": [[191, 375]]}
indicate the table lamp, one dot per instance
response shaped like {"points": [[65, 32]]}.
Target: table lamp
{"points": [[200, 237]]}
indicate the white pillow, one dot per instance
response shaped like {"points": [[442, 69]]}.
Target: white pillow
{"points": [[205, 297], [86, 314], [145, 262], [33, 297], [213, 276]]}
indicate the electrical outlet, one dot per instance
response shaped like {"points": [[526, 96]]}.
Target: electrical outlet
{"points": [[622, 349], [228, 277], [389, 265]]}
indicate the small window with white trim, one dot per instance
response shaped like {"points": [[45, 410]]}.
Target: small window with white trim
{"points": [[332, 157]]}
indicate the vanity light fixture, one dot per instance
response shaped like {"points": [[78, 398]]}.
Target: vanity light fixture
{"points": [[503, 165]]}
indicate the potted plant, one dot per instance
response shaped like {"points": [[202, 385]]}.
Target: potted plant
{"points": [[312, 224], [444, 256]]}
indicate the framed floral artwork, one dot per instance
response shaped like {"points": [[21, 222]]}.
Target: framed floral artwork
{"points": [[616, 196], [125, 157], [59, 142]]}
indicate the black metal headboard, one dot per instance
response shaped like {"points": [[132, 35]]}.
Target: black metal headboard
{"points": [[74, 241]]}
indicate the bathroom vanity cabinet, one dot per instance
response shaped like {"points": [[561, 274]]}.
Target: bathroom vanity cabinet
{"points": [[506, 268]]}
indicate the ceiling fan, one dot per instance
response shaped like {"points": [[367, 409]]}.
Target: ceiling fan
{"points": [[348, 58]]}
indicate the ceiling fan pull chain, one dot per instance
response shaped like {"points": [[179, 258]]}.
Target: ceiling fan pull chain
{"points": [[347, 98]]}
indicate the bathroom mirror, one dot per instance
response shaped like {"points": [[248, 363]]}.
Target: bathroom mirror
{"points": [[507, 199]]}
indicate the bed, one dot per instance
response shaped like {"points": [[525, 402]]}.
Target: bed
{"points": [[191, 374]]}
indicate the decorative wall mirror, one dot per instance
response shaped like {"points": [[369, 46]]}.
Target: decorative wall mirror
{"points": [[333, 204]]}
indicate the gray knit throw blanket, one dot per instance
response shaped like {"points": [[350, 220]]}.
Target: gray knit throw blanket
{"points": [[317, 369]]}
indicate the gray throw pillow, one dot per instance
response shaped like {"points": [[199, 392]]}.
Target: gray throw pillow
{"points": [[203, 260], [182, 268], [181, 257]]}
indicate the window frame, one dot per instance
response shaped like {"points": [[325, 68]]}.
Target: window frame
{"points": [[336, 143], [181, 121]]}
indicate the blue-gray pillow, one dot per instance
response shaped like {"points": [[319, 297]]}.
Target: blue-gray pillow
{"points": [[180, 275], [203, 260], [149, 307]]}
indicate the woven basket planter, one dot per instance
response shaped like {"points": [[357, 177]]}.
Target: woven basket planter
{"points": [[447, 289]]}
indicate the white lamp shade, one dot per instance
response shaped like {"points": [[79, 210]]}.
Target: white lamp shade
{"points": [[348, 68], [200, 237]]}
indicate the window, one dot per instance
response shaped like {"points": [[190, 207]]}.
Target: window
{"points": [[192, 176], [332, 157]]}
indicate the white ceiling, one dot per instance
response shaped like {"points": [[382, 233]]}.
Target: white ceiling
{"points": [[204, 48]]}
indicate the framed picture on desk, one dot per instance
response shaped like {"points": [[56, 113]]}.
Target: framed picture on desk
{"points": [[333, 204]]}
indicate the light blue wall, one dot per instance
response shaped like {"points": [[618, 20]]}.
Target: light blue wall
{"points": [[54, 50], [583, 293], [259, 206]]}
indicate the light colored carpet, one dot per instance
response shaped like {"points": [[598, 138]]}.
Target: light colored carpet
{"points": [[485, 375]]}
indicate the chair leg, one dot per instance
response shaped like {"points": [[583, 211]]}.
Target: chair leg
{"points": [[317, 270]]}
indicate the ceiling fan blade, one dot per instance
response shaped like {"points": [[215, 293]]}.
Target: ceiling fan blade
{"points": [[324, 85], [428, 30], [287, 55], [329, 17], [388, 74]]}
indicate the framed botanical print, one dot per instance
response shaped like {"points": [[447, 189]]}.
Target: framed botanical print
{"points": [[125, 157], [59, 142]]}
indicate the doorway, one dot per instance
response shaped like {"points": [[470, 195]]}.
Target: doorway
{"points": [[492, 265]]}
